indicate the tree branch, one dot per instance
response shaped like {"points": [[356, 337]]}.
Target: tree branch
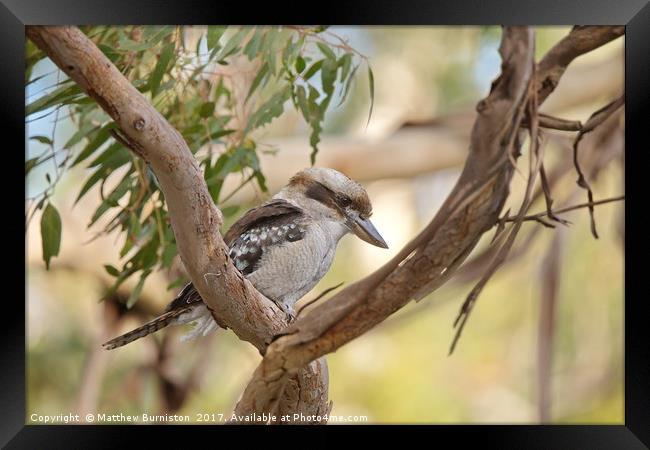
{"points": [[569, 208]]}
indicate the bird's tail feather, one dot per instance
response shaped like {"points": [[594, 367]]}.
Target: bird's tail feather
{"points": [[150, 327]]}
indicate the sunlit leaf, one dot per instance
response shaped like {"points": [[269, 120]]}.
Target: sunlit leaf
{"points": [[348, 84], [59, 96], [166, 56], [345, 62], [258, 79], [253, 45], [214, 34], [371, 84], [232, 44], [102, 136], [326, 51]]}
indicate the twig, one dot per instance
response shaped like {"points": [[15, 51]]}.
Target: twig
{"points": [[591, 204], [321, 295], [534, 163], [594, 120], [547, 197], [556, 123]]}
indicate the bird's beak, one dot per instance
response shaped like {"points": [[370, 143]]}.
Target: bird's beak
{"points": [[366, 231]]}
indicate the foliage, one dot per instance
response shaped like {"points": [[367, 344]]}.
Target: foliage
{"points": [[196, 91]]}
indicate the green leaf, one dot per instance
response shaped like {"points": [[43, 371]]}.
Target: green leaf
{"points": [[111, 200], [313, 69], [328, 76], [57, 97], [113, 157], [178, 282], [268, 48], [220, 133], [50, 233], [258, 79], [371, 83], [232, 44], [111, 270], [348, 84], [207, 109], [230, 210], [270, 110], [214, 34], [345, 62], [101, 137], [90, 182], [135, 293], [30, 164], [261, 181], [300, 64], [168, 254], [253, 45], [42, 139], [326, 51], [81, 133], [110, 52], [166, 56]]}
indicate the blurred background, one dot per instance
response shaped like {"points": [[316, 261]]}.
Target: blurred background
{"points": [[545, 340]]}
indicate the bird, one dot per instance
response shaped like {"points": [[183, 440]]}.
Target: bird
{"points": [[283, 247]]}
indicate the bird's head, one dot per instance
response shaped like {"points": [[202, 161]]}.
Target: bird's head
{"points": [[327, 194]]}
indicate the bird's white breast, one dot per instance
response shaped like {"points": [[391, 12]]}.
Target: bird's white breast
{"points": [[288, 271]]}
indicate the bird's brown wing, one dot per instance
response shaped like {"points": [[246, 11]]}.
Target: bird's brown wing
{"points": [[269, 214], [276, 222]]}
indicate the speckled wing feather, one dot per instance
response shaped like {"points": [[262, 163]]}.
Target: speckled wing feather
{"points": [[274, 223], [247, 233]]}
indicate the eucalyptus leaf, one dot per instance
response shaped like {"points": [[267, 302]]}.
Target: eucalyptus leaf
{"points": [[328, 52], [166, 56], [50, 233]]}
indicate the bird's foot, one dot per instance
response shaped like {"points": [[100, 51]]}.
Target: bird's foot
{"points": [[289, 311]]}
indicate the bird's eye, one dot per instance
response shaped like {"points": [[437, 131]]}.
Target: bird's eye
{"points": [[345, 201]]}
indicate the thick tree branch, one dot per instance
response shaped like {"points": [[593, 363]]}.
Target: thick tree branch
{"points": [[195, 219], [581, 40]]}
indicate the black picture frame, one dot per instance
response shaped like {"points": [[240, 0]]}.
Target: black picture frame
{"points": [[635, 14]]}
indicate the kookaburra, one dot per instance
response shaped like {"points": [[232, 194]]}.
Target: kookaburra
{"points": [[283, 247]]}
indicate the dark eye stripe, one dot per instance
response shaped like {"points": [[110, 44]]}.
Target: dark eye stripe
{"points": [[321, 193]]}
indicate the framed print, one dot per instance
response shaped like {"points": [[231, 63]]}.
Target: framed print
{"points": [[395, 216]]}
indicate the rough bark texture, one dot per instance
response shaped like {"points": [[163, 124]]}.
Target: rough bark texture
{"points": [[291, 377], [194, 217]]}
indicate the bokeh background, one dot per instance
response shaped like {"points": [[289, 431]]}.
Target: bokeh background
{"points": [[544, 343]]}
